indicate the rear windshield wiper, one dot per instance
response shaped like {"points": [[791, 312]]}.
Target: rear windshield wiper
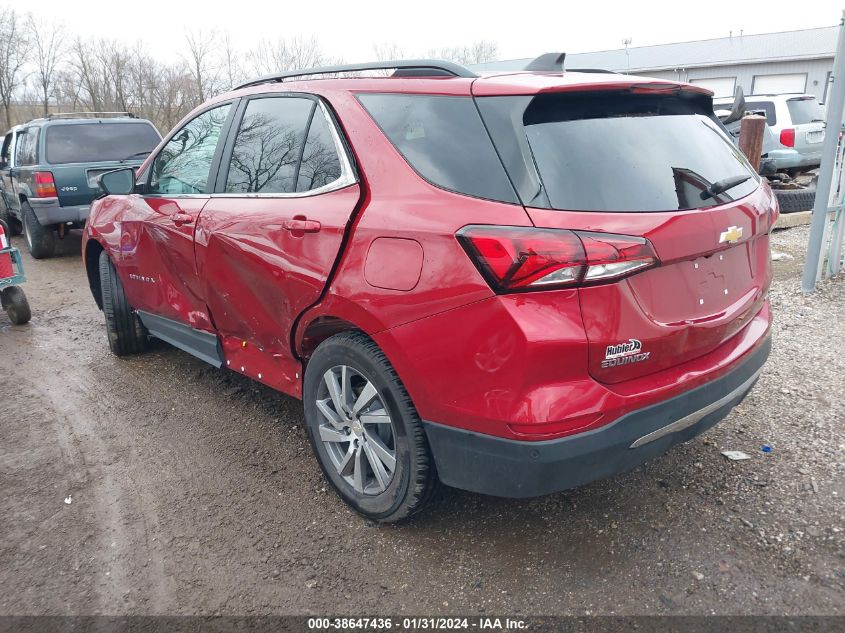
{"points": [[720, 186], [136, 154]]}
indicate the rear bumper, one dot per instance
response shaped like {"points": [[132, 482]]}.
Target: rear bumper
{"points": [[49, 211], [791, 159], [511, 468]]}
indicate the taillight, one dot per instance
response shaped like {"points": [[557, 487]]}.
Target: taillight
{"points": [[611, 257], [516, 259], [787, 137], [45, 186]]}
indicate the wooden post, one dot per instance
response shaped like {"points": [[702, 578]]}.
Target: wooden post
{"points": [[751, 138]]}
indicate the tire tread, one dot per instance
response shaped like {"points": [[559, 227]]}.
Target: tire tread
{"points": [[43, 239], [424, 481], [125, 332]]}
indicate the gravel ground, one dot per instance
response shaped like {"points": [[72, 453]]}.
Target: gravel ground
{"points": [[159, 485]]}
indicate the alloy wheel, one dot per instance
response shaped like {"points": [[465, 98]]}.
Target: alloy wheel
{"points": [[356, 430]]}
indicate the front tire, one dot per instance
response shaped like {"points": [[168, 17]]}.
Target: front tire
{"points": [[16, 306], [125, 331], [365, 431], [40, 240]]}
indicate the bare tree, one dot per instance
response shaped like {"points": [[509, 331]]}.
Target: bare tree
{"points": [[287, 54], [230, 62], [83, 62], [476, 53], [47, 48], [14, 48], [386, 52], [114, 63], [201, 63]]}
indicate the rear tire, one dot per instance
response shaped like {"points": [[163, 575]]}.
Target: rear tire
{"points": [[40, 240], [16, 306], [10, 220], [125, 331], [385, 435]]}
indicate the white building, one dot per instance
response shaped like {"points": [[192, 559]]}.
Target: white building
{"points": [[791, 61]]}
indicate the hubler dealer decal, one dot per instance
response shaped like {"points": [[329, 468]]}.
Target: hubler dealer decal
{"points": [[624, 354]]}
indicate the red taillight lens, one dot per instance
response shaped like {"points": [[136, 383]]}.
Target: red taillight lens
{"points": [[515, 259], [787, 137], [614, 256], [45, 186]]}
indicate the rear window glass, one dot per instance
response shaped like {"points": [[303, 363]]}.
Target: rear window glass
{"points": [[621, 152], [95, 142], [766, 107], [804, 111], [444, 140]]}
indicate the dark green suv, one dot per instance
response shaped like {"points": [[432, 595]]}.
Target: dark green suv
{"points": [[49, 169]]}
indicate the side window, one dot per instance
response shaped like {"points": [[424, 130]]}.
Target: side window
{"points": [[4, 152], [767, 106], [27, 143], [183, 165], [320, 162], [268, 147], [444, 140]]}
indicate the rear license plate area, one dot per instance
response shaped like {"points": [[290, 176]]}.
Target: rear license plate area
{"points": [[815, 137]]}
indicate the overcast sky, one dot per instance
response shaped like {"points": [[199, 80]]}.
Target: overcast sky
{"points": [[521, 28]]}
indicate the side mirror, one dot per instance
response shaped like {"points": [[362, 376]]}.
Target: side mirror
{"points": [[738, 107], [119, 182]]}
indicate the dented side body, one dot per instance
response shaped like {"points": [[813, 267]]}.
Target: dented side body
{"points": [[525, 368]]}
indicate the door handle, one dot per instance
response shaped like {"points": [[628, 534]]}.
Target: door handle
{"points": [[301, 225], [180, 218]]}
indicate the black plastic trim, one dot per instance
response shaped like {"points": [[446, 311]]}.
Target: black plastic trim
{"points": [[437, 66], [203, 345], [511, 468]]}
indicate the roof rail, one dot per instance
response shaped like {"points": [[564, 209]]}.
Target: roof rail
{"points": [[549, 62], [438, 68], [592, 70], [82, 115]]}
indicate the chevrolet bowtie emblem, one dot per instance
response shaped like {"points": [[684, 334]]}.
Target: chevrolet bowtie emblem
{"points": [[731, 236]]}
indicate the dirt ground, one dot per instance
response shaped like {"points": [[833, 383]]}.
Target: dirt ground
{"points": [[159, 485]]}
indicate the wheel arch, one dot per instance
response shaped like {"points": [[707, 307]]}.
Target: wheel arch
{"points": [[319, 329], [92, 268], [333, 315]]}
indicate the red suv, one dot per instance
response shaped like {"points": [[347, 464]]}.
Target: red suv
{"points": [[513, 284]]}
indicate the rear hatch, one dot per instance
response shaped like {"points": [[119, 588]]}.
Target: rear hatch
{"points": [[79, 152], [808, 122], [654, 164]]}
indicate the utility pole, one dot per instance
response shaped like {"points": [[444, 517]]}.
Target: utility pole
{"points": [[823, 187], [627, 42]]}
